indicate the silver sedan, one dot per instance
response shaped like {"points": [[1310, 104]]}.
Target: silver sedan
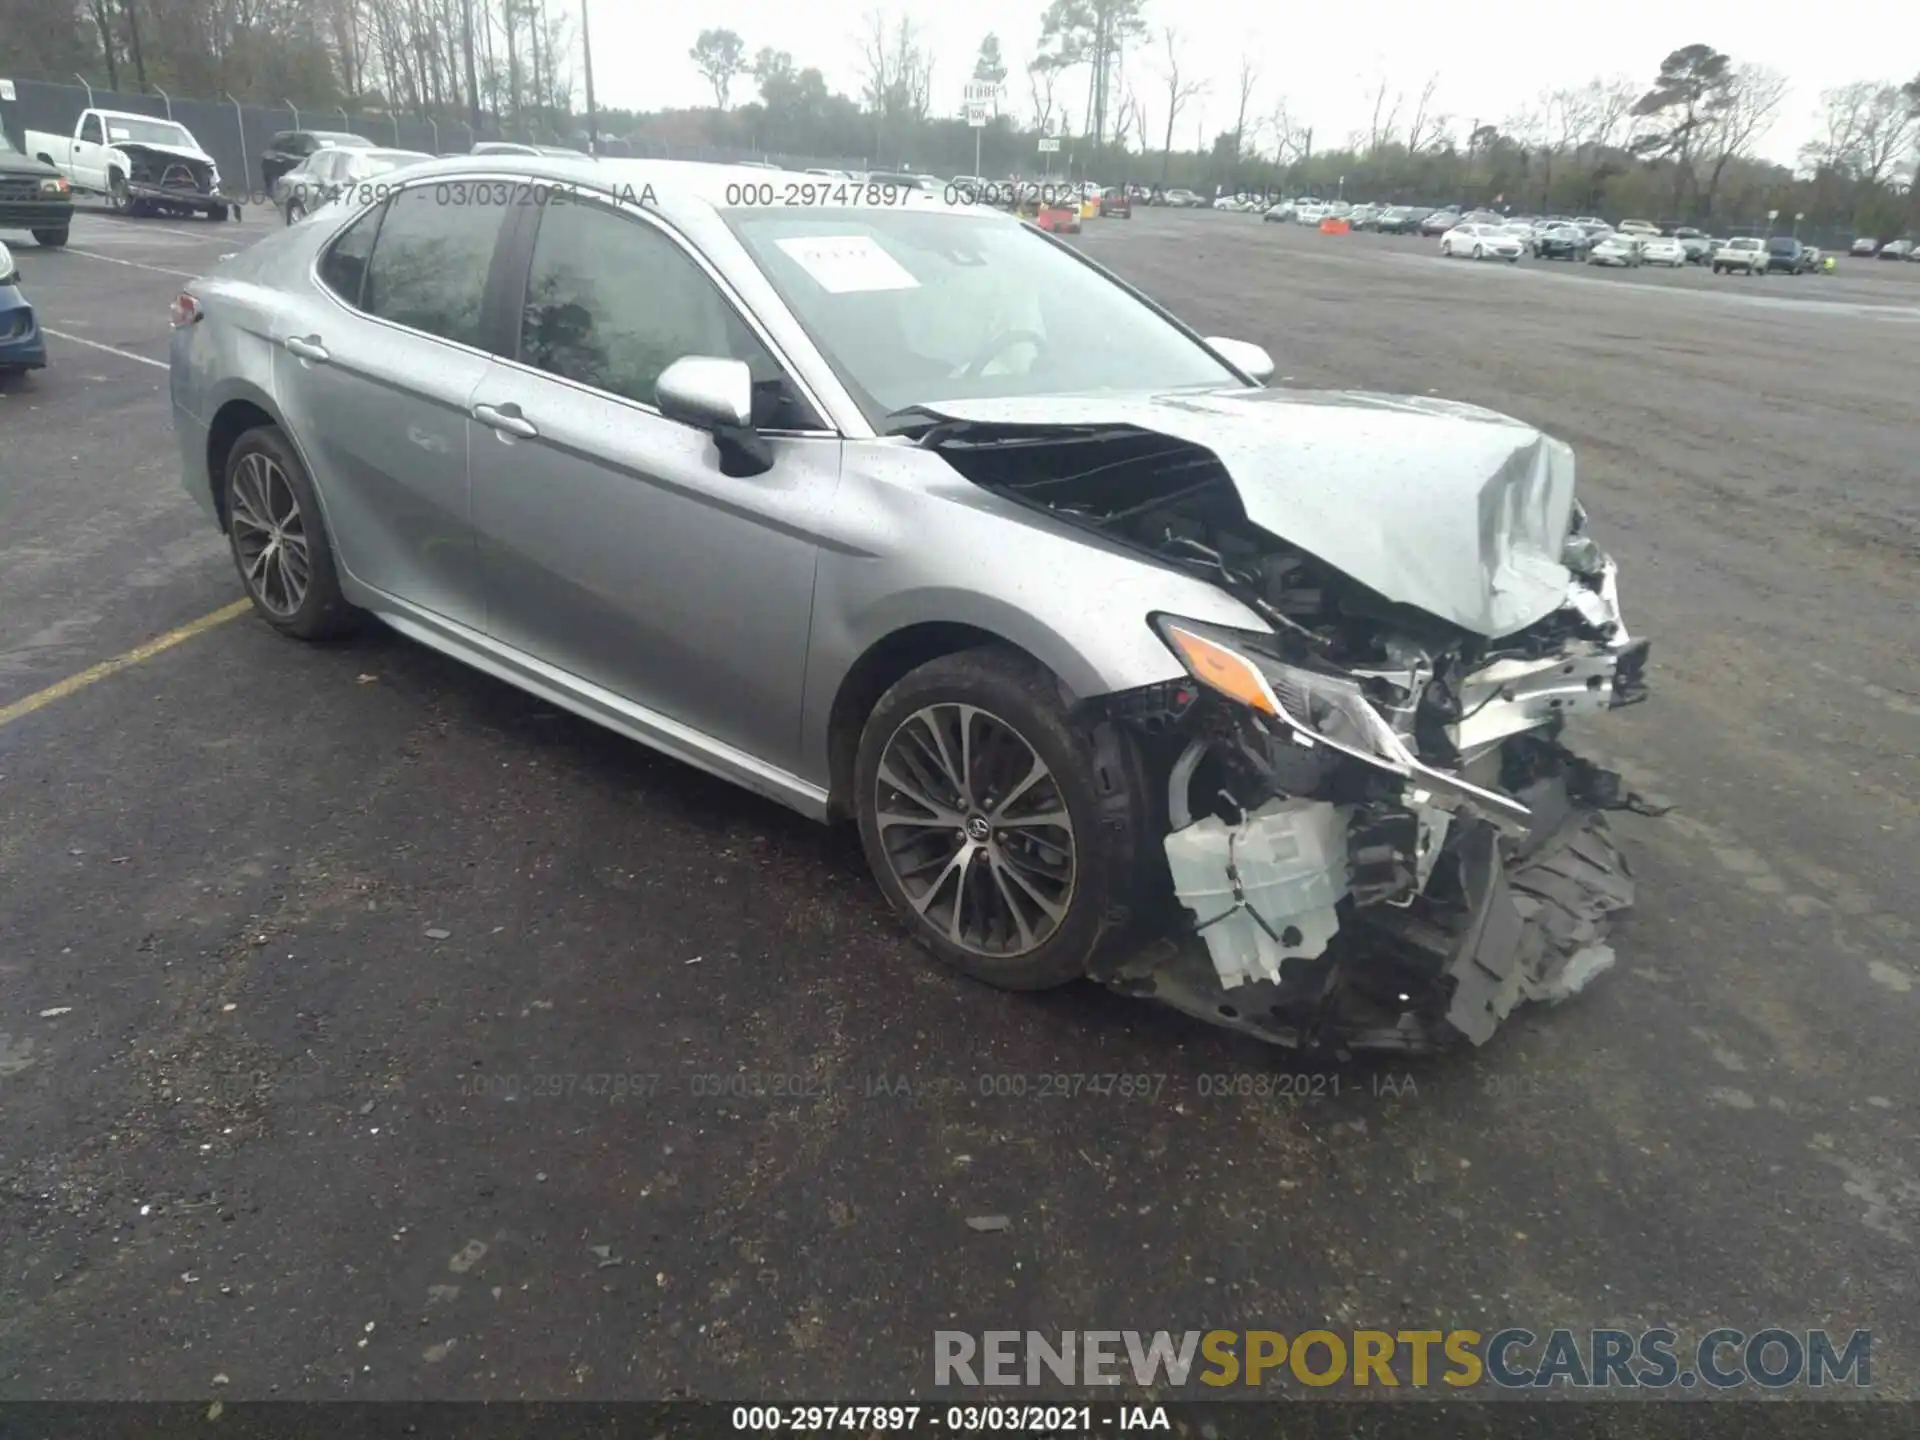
{"points": [[1124, 664]]}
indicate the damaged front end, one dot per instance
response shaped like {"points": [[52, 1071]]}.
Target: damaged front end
{"points": [[1374, 837]]}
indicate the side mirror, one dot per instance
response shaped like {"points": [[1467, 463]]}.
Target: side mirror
{"points": [[716, 395], [706, 392], [1244, 356]]}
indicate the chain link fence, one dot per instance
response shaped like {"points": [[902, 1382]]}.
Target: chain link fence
{"points": [[237, 135]]}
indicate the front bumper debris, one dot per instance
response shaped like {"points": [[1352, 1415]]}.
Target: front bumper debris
{"points": [[1482, 921]]}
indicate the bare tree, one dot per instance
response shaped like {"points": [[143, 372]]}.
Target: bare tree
{"points": [[1041, 78], [1381, 132], [1889, 129], [1749, 102], [1178, 93], [1249, 77], [1843, 113], [1130, 120], [1292, 141], [1420, 129], [1605, 111]]}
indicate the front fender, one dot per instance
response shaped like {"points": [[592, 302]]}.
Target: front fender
{"points": [[911, 543]]}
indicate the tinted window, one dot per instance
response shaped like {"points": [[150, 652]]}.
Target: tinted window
{"points": [[344, 265], [429, 269], [611, 302], [91, 132]]}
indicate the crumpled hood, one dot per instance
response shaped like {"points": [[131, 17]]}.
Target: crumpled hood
{"points": [[176, 152], [1457, 510]]}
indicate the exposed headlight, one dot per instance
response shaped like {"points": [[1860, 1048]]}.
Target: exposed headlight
{"points": [[1319, 707], [54, 185], [9, 274]]}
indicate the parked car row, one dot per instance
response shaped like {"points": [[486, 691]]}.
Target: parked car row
{"points": [[1901, 249]]}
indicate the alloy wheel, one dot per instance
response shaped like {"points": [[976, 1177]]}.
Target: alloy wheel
{"points": [[269, 535], [975, 829]]}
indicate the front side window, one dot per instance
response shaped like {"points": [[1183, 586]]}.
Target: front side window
{"points": [[429, 266], [612, 301], [91, 132], [916, 306]]}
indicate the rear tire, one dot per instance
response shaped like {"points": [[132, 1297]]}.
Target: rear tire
{"points": [[269, 501], [1088, 871]]}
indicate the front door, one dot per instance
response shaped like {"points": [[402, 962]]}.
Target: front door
{"points": [[612, 545]]}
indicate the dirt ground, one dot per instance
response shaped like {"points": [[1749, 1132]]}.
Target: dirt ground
{"points": [[370, 1030]]}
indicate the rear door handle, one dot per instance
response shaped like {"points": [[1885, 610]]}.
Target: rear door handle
{"points": [[506, 417], [307, 347]]}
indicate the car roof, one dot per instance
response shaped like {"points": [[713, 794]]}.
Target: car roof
{"points": [[134, 115], [673, 187]]}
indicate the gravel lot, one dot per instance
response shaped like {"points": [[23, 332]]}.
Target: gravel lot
{"points": [[328, 929]]}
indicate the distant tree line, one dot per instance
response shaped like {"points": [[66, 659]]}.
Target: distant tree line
{"points": [[1115, 92]]}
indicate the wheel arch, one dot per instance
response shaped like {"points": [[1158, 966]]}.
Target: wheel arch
{"points": [[876, 670], [232, 418]]}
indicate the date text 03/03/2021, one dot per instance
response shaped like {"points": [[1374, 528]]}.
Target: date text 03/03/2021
{"points": [[1061, 1422]]}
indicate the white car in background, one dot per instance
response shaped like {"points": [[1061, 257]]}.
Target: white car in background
{"points": [[1663, 250], [1481, 242], [1744, 253], [1622, 250], [1309, 213]]}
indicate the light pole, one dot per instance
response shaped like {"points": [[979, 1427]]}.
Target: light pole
{"points": [[1798, 216], [1772, 215], [593, 122]]}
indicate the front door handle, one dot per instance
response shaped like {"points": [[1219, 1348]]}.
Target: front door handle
{"points": [[506, 417], [307, 347]]}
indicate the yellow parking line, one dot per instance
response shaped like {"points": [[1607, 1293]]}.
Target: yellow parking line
{"points": [[66, 687]]}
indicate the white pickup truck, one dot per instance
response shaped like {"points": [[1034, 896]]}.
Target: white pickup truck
{"points": [[142, 164]]}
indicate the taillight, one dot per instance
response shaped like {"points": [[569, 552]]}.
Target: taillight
{"points": [[184, 310]]}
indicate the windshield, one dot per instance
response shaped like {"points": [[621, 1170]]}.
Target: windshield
{"points": [[912, 307], [1744, 245], [148, 132]]}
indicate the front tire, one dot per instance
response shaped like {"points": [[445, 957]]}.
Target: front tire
{"points": [[1007, 838], [278, 539], [52, 239], [119, 198]]}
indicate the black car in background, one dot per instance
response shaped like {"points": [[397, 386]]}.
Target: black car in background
{"points": [[1787, 255], [1561, 242], [33, 196], [290, 148], [1400, 219]]}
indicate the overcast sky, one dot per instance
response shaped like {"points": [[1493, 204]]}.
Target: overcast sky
{"points": [[1325, 60]]}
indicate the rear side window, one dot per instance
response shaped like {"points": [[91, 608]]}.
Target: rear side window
{"points": [[343, 268], [429, 266]]}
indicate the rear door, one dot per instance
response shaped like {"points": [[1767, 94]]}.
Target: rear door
{"points": [[375, 371]]}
